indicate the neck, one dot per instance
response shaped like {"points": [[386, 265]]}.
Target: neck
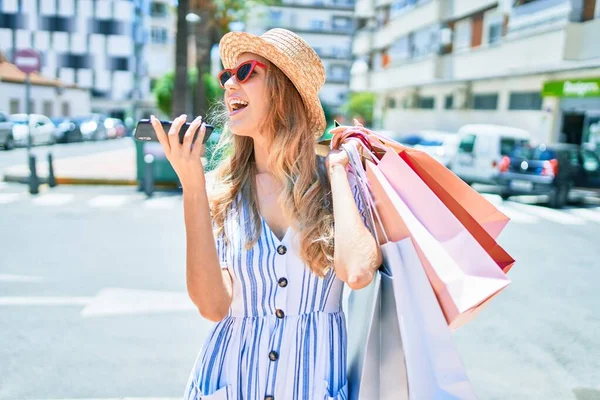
{"points": [[261, 155]]}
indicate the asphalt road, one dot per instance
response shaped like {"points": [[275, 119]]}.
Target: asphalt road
{"points": [[93, 305], [60, 150]]}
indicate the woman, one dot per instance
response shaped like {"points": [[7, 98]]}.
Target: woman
{"points": [[288, 231]]}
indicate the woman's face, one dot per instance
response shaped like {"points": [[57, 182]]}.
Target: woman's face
{"points": [[247, 120]]}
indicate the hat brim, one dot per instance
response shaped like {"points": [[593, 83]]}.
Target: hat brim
{"points": [[233, 44]]}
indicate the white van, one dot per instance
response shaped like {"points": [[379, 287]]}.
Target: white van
{"points": [[481, 148]]}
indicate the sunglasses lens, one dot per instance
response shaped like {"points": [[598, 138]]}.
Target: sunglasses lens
{"points": [[224, 77], [243, 72]]}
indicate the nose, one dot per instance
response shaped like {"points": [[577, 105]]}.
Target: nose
{"points": [[231, 83]]}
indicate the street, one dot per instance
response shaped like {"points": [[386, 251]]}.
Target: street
{"points": [[93, 301]]}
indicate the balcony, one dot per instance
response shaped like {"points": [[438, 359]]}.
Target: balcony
{"points": [[364, 9], [321, 30], [321, 4], [538, 15], [363, 42], [412, 20], [578, 45], [411, 73], [333, 54], [457, 9], [533, 53]]}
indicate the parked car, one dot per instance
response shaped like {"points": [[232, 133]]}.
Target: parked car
{"points": [[554, 170], [92, 126], [66, 130], [42, 129], [440, 145], [6, 132], [115, 128], [481, 148]]}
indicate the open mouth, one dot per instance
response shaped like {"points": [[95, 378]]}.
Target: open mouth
{"points": [[237, 105]]}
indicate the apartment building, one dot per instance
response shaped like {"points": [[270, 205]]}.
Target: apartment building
{"points": [[328, 26], [106, 46], [439, 64]]}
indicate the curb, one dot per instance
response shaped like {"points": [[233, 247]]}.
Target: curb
{"points": [[88, 181]]}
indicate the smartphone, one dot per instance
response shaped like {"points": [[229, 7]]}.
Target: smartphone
{"points": [[145, 131]]}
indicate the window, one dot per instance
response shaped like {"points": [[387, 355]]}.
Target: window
{"points": [[158, 9], [462, 34], [485, 101], [513, 147], [341, 23], [13, 21], [525, 101], [66, 109], [338, 72], [317, 24], [75, 61], [391, 102], [57, 23], [495, 32], [467, 144], [48, 107], [31, 107], [425, 41], [400, 49], [108, 27], [159, 35], [449, 102], [591, 163], [275, 17], [426, 102], [3, 117], [15, 106], [118, 64]]}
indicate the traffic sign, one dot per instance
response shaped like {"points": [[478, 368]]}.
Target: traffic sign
{"points": [[28, 60]]}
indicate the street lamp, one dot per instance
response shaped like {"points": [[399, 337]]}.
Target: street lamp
{"points": [[192, 18]]}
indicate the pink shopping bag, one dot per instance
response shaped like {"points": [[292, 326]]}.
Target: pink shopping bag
{"points": [[462, 273]]}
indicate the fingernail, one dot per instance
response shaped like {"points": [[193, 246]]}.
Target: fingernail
{"points": [[184, 116], [203, 126]]}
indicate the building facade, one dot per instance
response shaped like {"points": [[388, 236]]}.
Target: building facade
{"points": [[107, 46], [326, 25], [439, 64]]}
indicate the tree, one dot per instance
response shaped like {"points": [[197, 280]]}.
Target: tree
{"points": [[360, 105], [216, 17], [181, 60], [163, 91]]}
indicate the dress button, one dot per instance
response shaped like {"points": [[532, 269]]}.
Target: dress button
{"points": [[279, 313], [273, 356], [281, 249], [282, 282]]}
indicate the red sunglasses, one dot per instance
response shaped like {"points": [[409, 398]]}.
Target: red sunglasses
{"points": [[242, 72]]}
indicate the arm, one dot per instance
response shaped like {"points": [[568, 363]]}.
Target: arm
{"points": [[209, 287], [356, 255]]}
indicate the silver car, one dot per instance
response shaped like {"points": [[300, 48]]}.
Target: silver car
{"points": [[7, 141]]}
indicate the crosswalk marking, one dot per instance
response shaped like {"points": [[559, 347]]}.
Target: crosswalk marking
{"points": [[6, 198], [589, 214], [110, 200], [166, 202], [517, 216], [54, 199], [550, 214]]}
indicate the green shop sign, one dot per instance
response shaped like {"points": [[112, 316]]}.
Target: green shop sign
{"points": [[572, 88]]}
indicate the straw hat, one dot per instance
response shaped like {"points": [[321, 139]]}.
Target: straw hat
{"points": [[291, 54]]}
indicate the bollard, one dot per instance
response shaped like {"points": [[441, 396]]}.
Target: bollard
{"points": [[51, 178], [34, 183], [148, 174]]}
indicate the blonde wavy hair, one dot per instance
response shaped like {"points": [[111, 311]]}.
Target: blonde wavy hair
{"points": [[306, 196]]}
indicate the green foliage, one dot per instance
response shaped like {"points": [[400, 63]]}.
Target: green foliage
{"points": [[163, 91], [360, 105]]}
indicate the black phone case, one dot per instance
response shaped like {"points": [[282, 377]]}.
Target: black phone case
{"points": [[145, 131]]}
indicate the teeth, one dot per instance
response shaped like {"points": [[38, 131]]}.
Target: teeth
{"points": [[238, 102]]}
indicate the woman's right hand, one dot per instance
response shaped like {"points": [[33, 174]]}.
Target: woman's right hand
{"points": [[185, 158]]}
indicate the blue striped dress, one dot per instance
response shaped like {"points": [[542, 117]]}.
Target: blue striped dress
{"points": [[285, 334]]}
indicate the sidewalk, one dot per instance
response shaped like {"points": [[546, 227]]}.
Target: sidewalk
{"points": [[116, 167]]}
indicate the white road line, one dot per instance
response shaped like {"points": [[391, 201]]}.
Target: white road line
{"points": [[590, 214], [45, 301], [6, 198], [550, 214], [110, 200], [54, 199], [19, 278], [517, 216], [165, 202]]}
